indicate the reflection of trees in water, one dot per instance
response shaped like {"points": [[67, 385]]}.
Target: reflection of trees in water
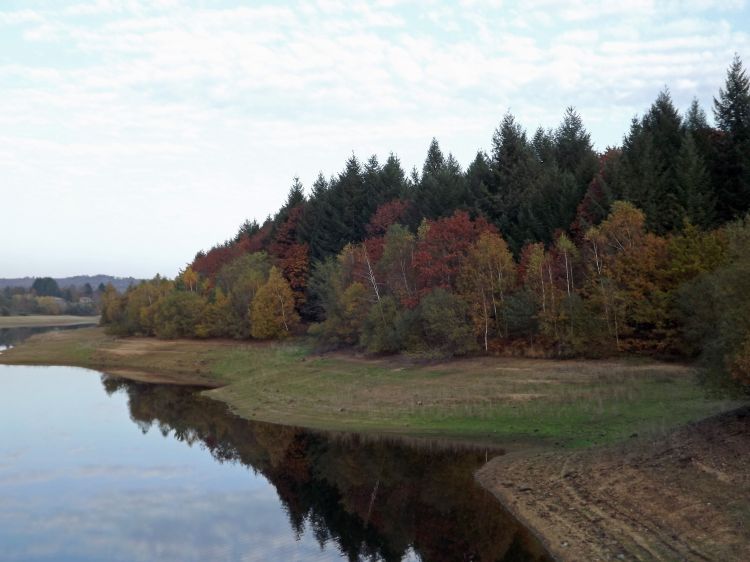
{"points": [[373, 499], [14, 336]]}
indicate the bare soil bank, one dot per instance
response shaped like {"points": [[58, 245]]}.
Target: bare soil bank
{"points": [[682, 497]]}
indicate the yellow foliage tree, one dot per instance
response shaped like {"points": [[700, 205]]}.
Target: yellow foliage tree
{"points": [[485, 278], [272, 312], [190, 279]]}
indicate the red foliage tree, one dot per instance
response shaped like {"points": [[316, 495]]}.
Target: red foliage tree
{"points": [[208, 264], [258, 241], [442, 248], [386, 215], [292, 257], [594, 206]]}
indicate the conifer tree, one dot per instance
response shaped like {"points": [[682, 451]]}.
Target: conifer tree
{"points": [[732, 114], [695, 184], [515, 173], [442, 187], [478, 180], [573, 150]]}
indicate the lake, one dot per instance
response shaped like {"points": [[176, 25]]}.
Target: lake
{"points": [[98, 468], [12, 336]]}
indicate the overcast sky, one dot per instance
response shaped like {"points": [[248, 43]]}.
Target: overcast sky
{"points": [[135, 132]]}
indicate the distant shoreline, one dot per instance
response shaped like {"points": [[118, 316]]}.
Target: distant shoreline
{"points": [[40, 321]]}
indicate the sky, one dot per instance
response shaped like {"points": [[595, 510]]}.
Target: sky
{"points": [[135, 132]]}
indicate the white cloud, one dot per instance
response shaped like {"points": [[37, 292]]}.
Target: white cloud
{"points": [[166, 103]]}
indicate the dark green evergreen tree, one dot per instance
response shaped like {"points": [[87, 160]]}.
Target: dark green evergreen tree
{"points": [[350, 201], [664, 124], [46, 287], [320, 224], [573, 150], [695, 184], [515, 173], [695, 118], [442, 187], [246, 230], [648, 175], [381, 184], [543, 144], [393, 180], [296, 196], [732, 166], [478, 179], [373, 187]]}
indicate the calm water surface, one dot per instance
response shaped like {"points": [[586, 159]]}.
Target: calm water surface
{"points": [[98, 468], [12, 336]]}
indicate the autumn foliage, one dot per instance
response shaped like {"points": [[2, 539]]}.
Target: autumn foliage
{"points": [[541, 246]]}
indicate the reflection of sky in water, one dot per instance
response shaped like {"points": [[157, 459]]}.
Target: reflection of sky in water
{"points": [[79, 481]]}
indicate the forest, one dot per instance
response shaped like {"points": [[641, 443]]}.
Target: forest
{"points": [[542, 247], [45, 296]]}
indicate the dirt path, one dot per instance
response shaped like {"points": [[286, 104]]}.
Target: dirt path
{"points": [[683, 497]]}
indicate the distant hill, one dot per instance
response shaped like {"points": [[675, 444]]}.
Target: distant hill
{"points": [[120, 283]]}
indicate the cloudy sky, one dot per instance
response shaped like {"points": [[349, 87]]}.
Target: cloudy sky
{"points": [[135, 132]]}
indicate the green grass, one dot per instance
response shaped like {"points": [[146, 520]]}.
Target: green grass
{"points": [[569, 403], [45, 320], [573, 404]]}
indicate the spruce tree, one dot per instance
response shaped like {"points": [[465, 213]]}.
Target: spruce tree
{"points": [[732, 168], [320, 225], [648, 174], [442, 187], [296, 196], [373, 188], [695, 118], [695, 184], [664, 124], [478, 180], [515, 173], [543, 144], [435, 160], [704, 136], [573, 150], [349, 201], [393, 179]]}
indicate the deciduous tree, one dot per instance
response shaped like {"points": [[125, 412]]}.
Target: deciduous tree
{"points": [[272, 312]]}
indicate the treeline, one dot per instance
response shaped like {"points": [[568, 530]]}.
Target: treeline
{"points": [[46, 297], [542, 246]]}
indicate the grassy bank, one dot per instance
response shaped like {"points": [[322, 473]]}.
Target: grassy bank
{"points": [[45, 320], [566, 403]]}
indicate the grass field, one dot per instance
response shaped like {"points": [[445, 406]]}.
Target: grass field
{"points": [[42, 320], [568, 403]]}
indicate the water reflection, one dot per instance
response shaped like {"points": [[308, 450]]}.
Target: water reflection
{"points": [[371, 500], [13, 336]]}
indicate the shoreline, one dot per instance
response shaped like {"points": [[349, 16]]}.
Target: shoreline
{"points": [[46, 321], [552, 418], [677, 498]]}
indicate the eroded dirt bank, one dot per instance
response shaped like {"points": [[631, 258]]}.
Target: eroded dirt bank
{"points": [[685, 496]]}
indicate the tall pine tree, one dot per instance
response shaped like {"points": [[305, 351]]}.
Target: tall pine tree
{"points": [[515, 173], [732, 169]]}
